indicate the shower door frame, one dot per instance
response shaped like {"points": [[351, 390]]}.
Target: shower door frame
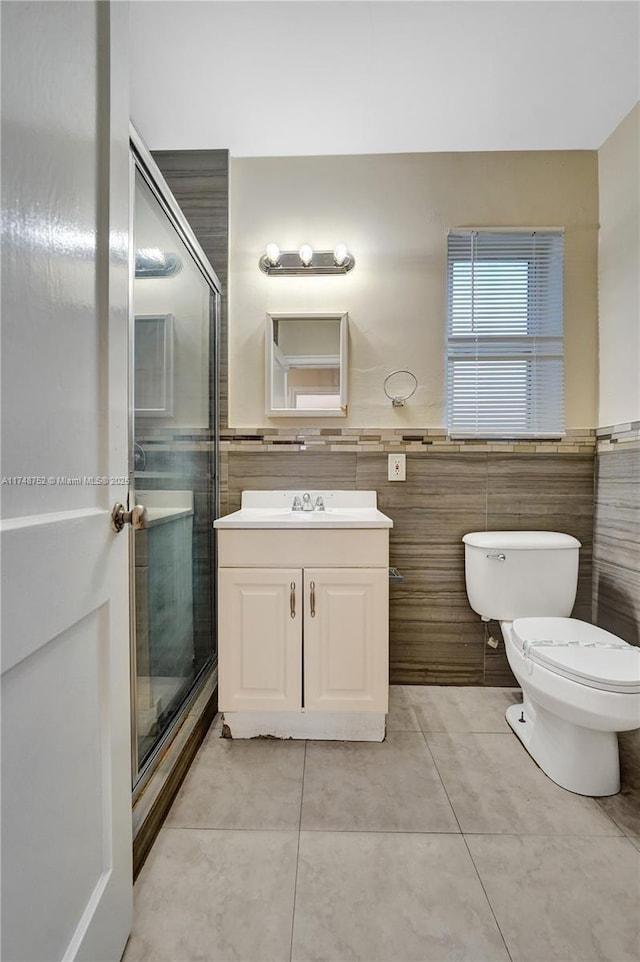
{"points": [[140, 160]]}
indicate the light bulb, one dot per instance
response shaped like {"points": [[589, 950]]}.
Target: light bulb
{"points": [[273, 254], [306, 254], [340, 254], [153, 254]]}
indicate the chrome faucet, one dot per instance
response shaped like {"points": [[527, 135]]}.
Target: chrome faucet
{"points": [[305, 504]]}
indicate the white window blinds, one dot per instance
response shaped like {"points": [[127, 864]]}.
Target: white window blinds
{"points": [[505, 374]]}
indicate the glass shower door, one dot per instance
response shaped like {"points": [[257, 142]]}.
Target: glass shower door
{"points": [[175, 302]]}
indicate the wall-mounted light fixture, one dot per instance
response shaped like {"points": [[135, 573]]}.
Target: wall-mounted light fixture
{"points": [[306, 261], [152, 262]]}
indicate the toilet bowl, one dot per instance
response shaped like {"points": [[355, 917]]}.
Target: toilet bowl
{"points": [[580, 684]]}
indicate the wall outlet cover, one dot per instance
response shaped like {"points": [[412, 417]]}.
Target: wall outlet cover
{"points": [[397, 467]]}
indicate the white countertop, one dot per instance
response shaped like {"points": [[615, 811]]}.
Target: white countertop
{"points": [[165, 506], [272, 509]]}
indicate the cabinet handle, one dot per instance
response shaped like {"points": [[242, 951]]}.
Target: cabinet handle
{"points": [[312, 586], [292, 599]]}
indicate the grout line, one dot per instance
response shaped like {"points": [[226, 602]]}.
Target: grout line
{"points": [[295, 881], [304, 768], [213, 828], [454, 732], [387, 831], [486, 895], [444, 787], [596, 799], [506, 947]]}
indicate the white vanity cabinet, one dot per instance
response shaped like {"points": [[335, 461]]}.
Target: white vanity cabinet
{"points": [[346, 639], [259, 639], [303, 628], [293, 638]]}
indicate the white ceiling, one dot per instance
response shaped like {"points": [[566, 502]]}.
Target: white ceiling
{"points": [[305, 77]]}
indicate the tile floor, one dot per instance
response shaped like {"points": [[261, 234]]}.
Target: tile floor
{"points": [[443, 843]]}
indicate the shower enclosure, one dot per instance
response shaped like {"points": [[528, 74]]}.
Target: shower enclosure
{"points": [[175, 300]]}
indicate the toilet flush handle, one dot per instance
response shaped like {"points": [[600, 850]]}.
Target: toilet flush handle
{"points": [[497, 557]]}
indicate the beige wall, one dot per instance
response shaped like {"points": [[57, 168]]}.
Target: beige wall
{"points": [[394, 211], [619, 273]]}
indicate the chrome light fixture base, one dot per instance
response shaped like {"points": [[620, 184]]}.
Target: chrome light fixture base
{"points": [[152, 262], [289, 264]]}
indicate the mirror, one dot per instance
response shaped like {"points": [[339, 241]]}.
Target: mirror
{"points": [[306, 365], [153, 365]]}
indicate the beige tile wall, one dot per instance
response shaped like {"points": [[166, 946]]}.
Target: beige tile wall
{"points": [[616, 560], [451, 488], [199, 180]]}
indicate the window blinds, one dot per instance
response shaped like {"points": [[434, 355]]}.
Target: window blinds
{"points": [[505, 374]]}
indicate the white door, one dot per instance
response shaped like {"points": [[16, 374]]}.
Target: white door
{"points": [[66, 790], [346, 639], [260, 639]]}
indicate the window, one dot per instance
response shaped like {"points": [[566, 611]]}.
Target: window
{"points": [[505, 374]]}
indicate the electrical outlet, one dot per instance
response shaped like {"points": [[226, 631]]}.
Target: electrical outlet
{"points": [[397, 467]]}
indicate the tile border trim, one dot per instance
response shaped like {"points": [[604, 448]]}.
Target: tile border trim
{"points": [[612, 437], [389, 440]]}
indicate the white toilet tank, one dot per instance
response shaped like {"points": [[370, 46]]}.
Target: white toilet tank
{"points": [[521, 574]]}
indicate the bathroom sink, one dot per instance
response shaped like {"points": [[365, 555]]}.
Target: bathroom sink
{"points": [[273, 509]]}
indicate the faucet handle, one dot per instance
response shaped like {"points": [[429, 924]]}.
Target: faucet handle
{"points": [[319, 506], [297, 504]]}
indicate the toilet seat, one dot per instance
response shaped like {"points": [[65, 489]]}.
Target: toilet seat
{"points": [[581, 652]]}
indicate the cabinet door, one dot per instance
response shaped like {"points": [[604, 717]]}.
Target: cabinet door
{"points": [[260, 643], [346, 639]]}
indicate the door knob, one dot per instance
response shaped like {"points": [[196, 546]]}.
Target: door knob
{"points": [[120, 516]]}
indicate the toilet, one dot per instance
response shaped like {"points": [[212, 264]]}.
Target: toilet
{"points": [[580, 684]]}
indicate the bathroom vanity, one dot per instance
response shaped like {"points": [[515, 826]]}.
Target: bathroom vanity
{"points": [[303, 616]]}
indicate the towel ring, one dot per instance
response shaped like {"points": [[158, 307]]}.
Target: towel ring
{"points": [[398, 400]]}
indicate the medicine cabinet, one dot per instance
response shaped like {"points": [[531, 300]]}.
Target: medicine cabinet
{"points": [[306, 365]]}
